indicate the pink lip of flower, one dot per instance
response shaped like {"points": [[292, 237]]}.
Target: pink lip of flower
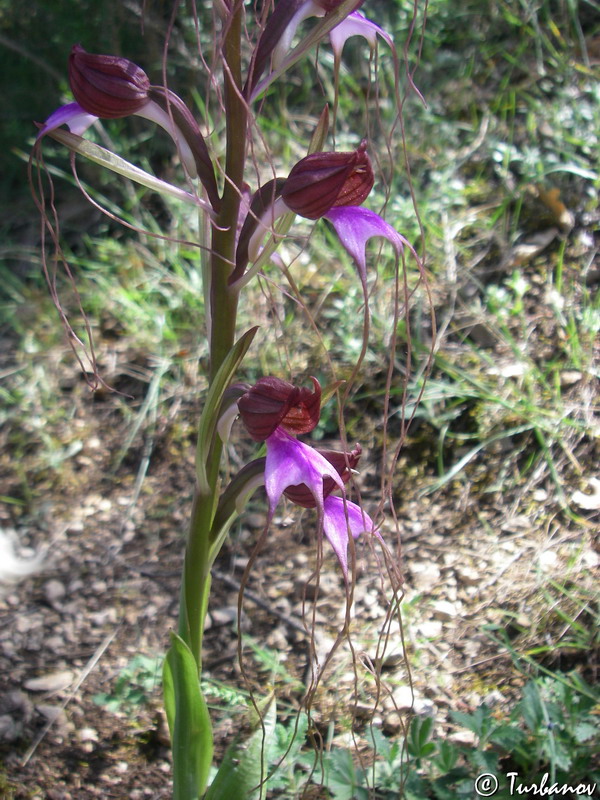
{"points": [[355, 226], [78, 120], [290, 463], [357, 24]]}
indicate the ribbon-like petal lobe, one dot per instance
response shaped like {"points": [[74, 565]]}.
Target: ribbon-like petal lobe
{"points": [[340, 517], [355, 226]]}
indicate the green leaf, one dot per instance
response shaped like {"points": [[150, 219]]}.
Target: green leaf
{"points": [[447, 756], [189, 722], [381, 744], [584, 731], [509, 737], [556, 753], [415, 788], [531, 706], [210, 413], [479, 721], [420, 730], [232, 502], [457, 784], [485, 760], [104, 157], [243, 771], [342, 778]]}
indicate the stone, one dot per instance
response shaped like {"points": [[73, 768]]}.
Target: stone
{"points": [[52, 682], [445, 610], [54, 591], [425, 574]]}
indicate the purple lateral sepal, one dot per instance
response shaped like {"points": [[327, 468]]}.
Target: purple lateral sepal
{"points": [[290, 462], [355, 225], [341, 517], [72, 115], [356, 24]]}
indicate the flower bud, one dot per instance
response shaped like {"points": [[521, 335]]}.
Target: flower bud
{"points": [[109, 87], [322, 181], [344, 463], [273, 403]]}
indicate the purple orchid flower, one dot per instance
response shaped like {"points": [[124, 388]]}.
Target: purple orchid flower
{"points": [[324, 184], [271, 409], [291, 463], [278, 35], [112, 87], [276, 40]]}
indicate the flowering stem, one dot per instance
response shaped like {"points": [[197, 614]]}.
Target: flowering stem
{"points": [[196, 577], [223, 297], [223, 301]]}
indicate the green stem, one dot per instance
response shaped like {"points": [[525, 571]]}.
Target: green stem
{"points": [[223, 301], [196, 577]]}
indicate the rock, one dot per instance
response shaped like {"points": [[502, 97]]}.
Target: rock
{"points": [[55, 643], [223, 616], [430, 629], [277, 640], [403, 699], [424, 706], [462, 737], [591, 501], [468, 575], [52, 682], [87, 735], [590, 558], [494, 698], [13, 567], [445, 610], [54, 590], [24, 623], [393, 723], [58, 794], [57, 716], [400, 699], [104, 617], [10, 729], [393, 660], [547, 559], [425, 574]]}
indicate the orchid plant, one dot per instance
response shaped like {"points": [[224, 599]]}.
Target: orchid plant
{"points": [[243, 228]]}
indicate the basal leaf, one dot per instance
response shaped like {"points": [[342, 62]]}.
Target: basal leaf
{"points": [[189, 722]]}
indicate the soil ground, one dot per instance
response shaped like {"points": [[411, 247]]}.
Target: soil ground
{"points": [[107, 593]]}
